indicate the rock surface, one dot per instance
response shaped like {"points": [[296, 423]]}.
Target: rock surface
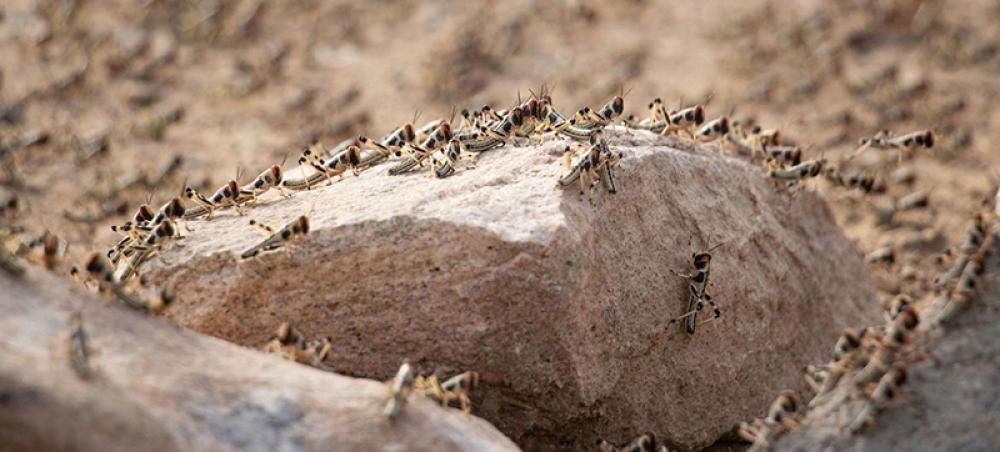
{"points": [[949, 403], [157, 387], [563, 306]]}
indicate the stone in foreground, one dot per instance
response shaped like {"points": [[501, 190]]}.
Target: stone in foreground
{"points": [[155, 387]]}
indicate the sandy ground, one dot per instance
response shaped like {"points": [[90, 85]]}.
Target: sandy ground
{"points": [[242, 84]]}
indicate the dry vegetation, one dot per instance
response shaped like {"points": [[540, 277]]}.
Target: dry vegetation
{"points": [[106, 104]]}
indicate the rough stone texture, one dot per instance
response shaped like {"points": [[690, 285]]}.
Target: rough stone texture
{"points": [[950, 404], [561, 305], [161, 388]]}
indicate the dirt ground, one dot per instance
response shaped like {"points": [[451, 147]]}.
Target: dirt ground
{"points": [[98, 97]]}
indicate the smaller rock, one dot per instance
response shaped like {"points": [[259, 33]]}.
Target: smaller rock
{"points": [[152, 386]]}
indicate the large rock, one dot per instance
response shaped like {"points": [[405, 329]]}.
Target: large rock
{"points": [[950, 402], [561, 305], [157, 387]]}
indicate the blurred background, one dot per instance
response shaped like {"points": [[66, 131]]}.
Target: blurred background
{"points": [[104, 104]]}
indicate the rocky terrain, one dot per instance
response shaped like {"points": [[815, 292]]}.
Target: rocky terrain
{"points": [[558, 302]]}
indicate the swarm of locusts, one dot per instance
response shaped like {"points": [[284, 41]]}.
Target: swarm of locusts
{"points": [[440, 146], [869, 367]]}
